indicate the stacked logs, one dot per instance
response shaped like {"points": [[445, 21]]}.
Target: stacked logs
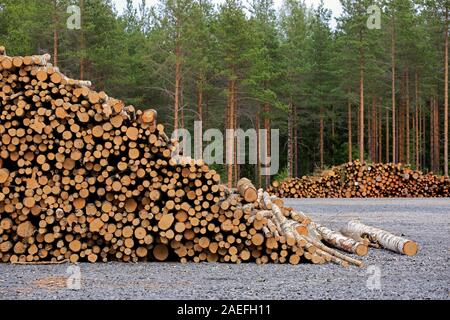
{"points": [[356, 180], [73, 164], [85, 178]]}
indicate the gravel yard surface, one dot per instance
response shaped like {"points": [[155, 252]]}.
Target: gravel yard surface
{"points": [[389, 275]]}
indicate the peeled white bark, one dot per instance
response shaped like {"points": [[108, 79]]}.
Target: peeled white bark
{"points": [[355, 236], [383, 238], [333, 252], [337, 240], [300, 217], [312, 231], [259, 215], [332, 258], [266, 201]]}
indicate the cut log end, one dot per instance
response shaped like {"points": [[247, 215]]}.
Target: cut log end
{"points": [[161, 252], [410, 248], [361, 250]]}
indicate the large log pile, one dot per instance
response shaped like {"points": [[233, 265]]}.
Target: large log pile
{"points": [[356, 180], [85, 178]]}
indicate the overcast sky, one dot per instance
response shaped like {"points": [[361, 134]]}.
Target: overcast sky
{"points": [[333, 5]]}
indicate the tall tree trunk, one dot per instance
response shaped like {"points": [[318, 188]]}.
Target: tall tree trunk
{"points": [[416, 121], [258, 150], [424, 139], [289, 160], [333, 124], [387, 126], [82, 44], [361, 99], [432, 149], [55, 33], [177, 77], [237, 167], [400, 123], [230, 139], [295, 156], [205, 115], [413, 128], [369, 115], [321, 134], [408, 138], [380, 132], [182, 106], [349, 128], [404, 118], [394, 131], [436, 135], [267, 128], [374, 130], [398, 132], [446, 96], [421, 138], [358, 127], [200, 100], [375, 125]]}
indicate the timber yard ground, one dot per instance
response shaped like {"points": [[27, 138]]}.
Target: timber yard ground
{"points": [[424, 276]]}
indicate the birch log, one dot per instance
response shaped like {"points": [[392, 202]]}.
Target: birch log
{"points": [[247, 190], [338, 240], [384, 238]]}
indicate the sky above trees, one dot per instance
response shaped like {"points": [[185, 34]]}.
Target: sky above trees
{"points": [[333, 5]]}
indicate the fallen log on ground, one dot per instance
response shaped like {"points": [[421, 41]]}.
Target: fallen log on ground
{"points": [[338, 240], [383, 238]]}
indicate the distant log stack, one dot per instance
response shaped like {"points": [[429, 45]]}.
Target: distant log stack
{"points": [[85, 178], [356, 180]]}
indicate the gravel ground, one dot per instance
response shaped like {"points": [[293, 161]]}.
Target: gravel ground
{"points": [[425, 276]]}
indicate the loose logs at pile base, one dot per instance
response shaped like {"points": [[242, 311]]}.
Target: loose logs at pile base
{"points": [[356, 180], [376, 237], [85, 178]]}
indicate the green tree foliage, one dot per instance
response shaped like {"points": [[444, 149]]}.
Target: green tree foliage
{"points": [[277, 58]]}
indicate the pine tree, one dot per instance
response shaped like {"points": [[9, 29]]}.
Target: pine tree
{"points": [[320, 70], [231, 30], [294, 19], [263, 72]]}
